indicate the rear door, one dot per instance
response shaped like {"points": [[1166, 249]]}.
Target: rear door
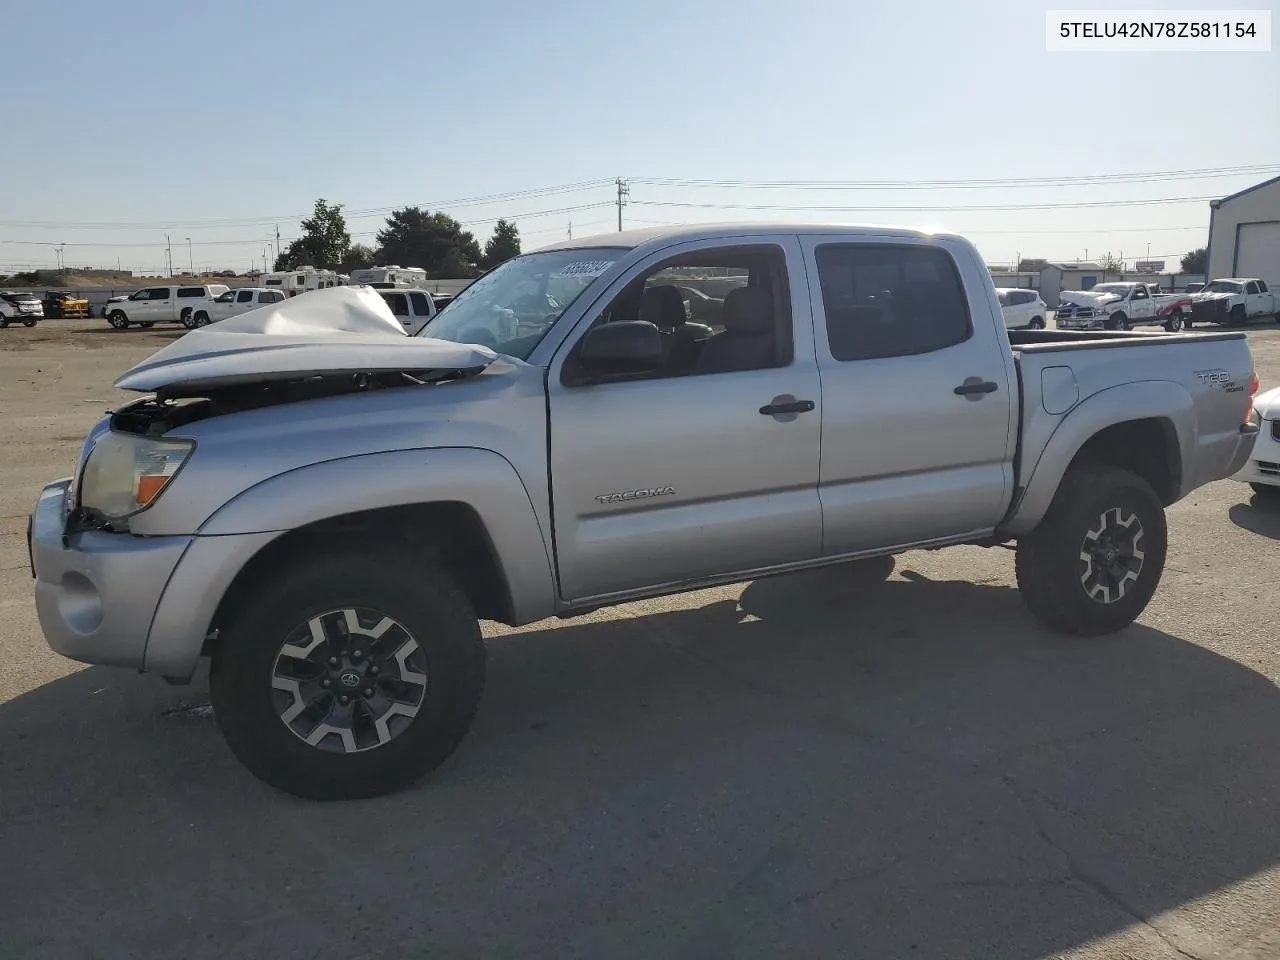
{"points": [[918, 427], [709, 466], [423, 309], [1256, 303]]}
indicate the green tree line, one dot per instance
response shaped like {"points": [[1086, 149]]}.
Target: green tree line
{"points": [[410, 237]]}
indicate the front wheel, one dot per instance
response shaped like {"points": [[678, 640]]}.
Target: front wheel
{"points": [[1174, 323], [29, 323], [1118, 321], [118, 320], [350, 674], [1236, 317], [1094, 562]]}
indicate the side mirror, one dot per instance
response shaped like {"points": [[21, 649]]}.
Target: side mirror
{"points": [[626, 346]]}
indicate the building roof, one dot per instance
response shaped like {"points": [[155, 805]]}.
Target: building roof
{"points": [[1083, 265], [1256, 186]]}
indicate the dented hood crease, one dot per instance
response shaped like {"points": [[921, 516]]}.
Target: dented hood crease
{"points": [[336, 331], [1082, 298]]}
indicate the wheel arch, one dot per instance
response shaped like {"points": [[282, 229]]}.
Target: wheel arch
{"points": [[1153, 439], [466, 507]]}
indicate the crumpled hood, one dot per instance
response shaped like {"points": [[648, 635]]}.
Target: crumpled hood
{"points": [[342, 330], [1083, 298], [1268, 404], [1200, 295]]}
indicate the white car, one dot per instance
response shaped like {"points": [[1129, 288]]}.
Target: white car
{"points": [[235, 302], [1023, 309], [1262, 471], [23, 308]]}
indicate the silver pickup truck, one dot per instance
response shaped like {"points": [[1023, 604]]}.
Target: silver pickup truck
{"points": [[325, 506]]}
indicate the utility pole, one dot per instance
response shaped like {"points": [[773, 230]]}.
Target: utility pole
{"points": [[570, 229], [624, 191], [277, 241], [168, 254], [191, 260]]}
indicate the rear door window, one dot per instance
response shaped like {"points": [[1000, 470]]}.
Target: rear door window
{"points": [[421, 306], [244, 296], [890, 301], [191, 292]]}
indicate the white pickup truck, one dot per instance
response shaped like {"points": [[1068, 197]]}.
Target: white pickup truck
{"points": [[1121, 306], [165, 304], [1234, 301], [326, 506]]}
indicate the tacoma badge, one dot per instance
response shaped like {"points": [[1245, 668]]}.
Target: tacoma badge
{"points": [[635, 494]]}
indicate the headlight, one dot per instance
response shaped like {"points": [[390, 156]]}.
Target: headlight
{"points": [[125, 473]]}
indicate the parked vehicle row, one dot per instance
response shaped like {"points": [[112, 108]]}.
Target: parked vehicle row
{"points": [[23, 308], [562, 437], [1121, 306], [166, 304], [1235, 301]]}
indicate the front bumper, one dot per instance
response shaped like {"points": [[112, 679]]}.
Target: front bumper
{"points": [[96, 593], [130, 601], [1263, 465], [1079, 323]]}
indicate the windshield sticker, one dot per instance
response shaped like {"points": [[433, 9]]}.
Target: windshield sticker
{"points": [[584, 268]]}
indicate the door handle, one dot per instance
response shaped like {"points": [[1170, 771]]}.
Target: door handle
{"points": [[974, 385], [795, 406]]}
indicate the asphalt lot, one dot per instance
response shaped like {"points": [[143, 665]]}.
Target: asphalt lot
{"points": [[887, 760]]}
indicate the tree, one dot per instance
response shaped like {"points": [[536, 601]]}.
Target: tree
{"points": [[1110, 264], [1197, 261], [358, 257], [413, 237], [502, 246], [324, 241]]}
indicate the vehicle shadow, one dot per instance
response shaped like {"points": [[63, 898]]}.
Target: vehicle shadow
{"points": [[1260, 515], [824, 765]]}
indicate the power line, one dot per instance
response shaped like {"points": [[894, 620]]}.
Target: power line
{"points": [[349, 214], [922, 209], [967, 183]]}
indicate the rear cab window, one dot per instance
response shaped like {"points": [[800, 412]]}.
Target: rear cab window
{"points": [[885, 300]]}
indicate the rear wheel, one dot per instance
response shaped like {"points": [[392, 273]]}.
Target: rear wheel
{"points": [[3, 323], [1093, 564], [118, 320], [1037, 323], [1174, 323], [29, 323], [201, 318], [188, 319], [350, 674]]}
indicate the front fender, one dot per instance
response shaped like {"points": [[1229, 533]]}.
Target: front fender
{"points": [[481, 479], [1146, 400]]}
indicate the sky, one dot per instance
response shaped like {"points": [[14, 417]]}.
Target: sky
{"points": [[214, 122]]}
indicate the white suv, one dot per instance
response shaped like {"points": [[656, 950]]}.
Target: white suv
{"points": [[235, 302], [1023, 309]]}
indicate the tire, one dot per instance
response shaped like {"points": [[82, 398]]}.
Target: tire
{"points": [[360, 759], [118, 320], [1117, 321], [201, 318], [147, 326], [1266, 491], [3, 323], [1037, 323], [29, 323], [1236, 317], [188, 320], [1175, 322], [1059, 564]]}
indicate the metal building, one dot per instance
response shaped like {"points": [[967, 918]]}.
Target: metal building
{"points": [[1244, 234]]}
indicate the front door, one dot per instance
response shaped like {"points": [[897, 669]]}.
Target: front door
{"points": [[918, 432], [159, 305], [709, 465]]}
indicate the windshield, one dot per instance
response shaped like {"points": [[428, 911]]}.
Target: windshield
{"points": [[510, 309], [1223, 286], [1119, 289]]}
